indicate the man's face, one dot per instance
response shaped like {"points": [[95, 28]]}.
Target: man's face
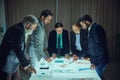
{"points": [[33, 27], [76, 29], [47, 19], [59, 30], [84, 26], [30, 28]]}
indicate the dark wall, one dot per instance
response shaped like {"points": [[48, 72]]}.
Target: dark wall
{"points": [[104, 12]]}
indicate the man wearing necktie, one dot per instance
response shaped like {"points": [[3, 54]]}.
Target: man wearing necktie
{"points": [[58, 41]]}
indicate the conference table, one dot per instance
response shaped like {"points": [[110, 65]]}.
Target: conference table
{"points": [[64, 69]]}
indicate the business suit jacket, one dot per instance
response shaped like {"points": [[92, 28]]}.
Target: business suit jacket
{"points": [[13, 43], [97, 45], [83, 43], [52, 42], [37, 40]]}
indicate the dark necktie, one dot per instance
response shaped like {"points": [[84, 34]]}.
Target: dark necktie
{"points": [[59, 42], [59, 46]]}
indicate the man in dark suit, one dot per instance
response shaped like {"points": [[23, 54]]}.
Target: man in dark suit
{"points": [[78, 38], [58, 41], [13, 46], [96, 44]]}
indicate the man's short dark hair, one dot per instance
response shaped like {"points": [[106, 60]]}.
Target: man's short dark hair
{"points": [[46, 13], [85, 18], [58, 24]]}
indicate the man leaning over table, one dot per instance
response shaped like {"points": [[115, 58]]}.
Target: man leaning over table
{"points": [[96, 44], [12, 49], [37, 39], [58, 41]]}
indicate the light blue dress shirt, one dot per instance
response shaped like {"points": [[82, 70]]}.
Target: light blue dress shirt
{"points": [[78, 45]]}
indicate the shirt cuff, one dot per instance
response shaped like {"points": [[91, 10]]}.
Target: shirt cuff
{"points": [[26, 67]]}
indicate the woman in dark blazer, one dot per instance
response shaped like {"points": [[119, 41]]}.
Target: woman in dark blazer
{"points": [[78, 38], [54, 45]]}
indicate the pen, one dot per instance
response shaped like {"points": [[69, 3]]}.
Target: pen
{"points": [[84, 69]]}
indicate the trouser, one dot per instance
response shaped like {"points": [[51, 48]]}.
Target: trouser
{"points": [[100, 69], [11, 76]]}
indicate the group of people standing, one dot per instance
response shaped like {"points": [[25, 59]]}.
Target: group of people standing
{"points": [[23, 44]]}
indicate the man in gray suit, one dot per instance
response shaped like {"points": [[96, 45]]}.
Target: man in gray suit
{"points": [[38, 37]]}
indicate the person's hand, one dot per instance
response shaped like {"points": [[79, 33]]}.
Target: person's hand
{"points": [[48, 59], [92, 66], [54, 55], [75, 57], [67, 56], [31, 69]]}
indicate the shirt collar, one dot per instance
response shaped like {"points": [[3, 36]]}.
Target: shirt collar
{"points": [[41, 23], [89, 28]]}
